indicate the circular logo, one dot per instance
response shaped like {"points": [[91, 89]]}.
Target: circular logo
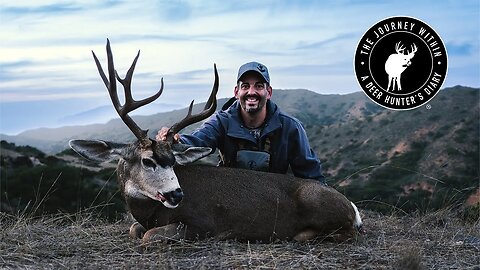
{"points": [[400, 63]]}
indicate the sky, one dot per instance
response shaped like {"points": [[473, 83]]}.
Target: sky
{"points": [[47, 73]]}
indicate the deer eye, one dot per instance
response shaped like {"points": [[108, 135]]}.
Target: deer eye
{"points": [[148, 163]]}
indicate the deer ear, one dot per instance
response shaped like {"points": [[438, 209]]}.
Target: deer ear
{"points": [[185, 154], [97, 150]]}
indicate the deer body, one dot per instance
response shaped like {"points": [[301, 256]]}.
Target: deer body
{"points": [[172, 199], [396, 64], [247, 205]]}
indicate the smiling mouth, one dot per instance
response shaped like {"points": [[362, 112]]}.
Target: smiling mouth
{"points": [[252, 99]]}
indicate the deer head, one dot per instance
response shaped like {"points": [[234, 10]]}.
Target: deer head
{"points": [[405, 57], [145, 169]]}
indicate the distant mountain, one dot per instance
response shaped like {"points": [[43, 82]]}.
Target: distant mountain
{"points": [[310, 107], [53, 140], [103, 114]]}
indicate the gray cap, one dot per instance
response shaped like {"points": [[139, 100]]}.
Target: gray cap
{"points": [[254, 66]]}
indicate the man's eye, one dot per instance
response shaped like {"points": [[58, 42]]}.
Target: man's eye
{"points": [[245, 86], [259, 86]]}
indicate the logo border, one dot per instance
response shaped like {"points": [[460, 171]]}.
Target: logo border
{"points": [[357, 78]]}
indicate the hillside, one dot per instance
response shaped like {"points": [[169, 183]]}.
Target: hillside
{"points": [[416, 159], [411, 160], [36, 183]]}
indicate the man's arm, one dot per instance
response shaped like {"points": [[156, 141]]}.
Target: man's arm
{"points": [[207, 135], [303, 161]]}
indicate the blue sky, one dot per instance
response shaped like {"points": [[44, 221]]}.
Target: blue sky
{"points": [[47, 72]]}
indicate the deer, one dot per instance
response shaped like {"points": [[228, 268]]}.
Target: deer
{"points": [[397, 63], [172, 199]]}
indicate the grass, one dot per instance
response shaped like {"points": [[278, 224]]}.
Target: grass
{"points": [[437, 240]]}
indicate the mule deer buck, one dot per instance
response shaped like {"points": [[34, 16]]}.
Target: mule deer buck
{"points": [[397, 63], [173, 201]]}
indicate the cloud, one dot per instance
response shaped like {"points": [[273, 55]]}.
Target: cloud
{"points": [[326, 42], [53, 7], [309, 70], [57, 8], [45, 48], [173, 11], [460, 49], [7, 70]]}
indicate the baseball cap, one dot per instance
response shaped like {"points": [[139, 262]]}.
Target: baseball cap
{"points": [[254, 66]]}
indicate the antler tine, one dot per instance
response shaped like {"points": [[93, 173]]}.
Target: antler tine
{"points": [[414, 48], [399, 48], [212, 100], [130, 103], [208, 110]]}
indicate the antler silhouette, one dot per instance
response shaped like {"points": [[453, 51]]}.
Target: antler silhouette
{"points": [[130, 103], [208, 110]]}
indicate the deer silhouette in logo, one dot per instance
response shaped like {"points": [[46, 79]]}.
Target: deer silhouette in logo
{"points": [[397, 63]]}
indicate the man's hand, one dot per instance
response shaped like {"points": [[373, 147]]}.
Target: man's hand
{"points": [[162, 135]]}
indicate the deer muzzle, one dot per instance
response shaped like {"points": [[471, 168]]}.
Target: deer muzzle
{"points": [[174, 197]]}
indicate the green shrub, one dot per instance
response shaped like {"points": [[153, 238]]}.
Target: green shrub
{"points": [[59, 188]]}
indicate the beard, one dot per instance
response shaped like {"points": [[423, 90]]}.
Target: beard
{"points": [[253, 104]]}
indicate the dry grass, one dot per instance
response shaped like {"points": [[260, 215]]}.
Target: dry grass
{"points": [[434, 241]]}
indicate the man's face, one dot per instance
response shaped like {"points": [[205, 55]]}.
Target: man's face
{"points": [[252, 92]]}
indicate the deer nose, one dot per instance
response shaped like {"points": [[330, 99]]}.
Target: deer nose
{"points": [[175, 196]]}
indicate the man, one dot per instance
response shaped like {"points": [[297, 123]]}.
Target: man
{"points": [[253, 133]]}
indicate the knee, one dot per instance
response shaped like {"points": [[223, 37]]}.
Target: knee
{"points": [[137, 231], [154, 235], [162, 234]]}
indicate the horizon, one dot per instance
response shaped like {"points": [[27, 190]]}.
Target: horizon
{"points": [[116, 117], [48, 72]]}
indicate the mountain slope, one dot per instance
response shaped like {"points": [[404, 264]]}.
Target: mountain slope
{"points": [[105, 113], [381, 159], [421, 153], [312, 108]]}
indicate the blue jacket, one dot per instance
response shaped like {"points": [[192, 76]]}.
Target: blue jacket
{"points": [[289, 144]]}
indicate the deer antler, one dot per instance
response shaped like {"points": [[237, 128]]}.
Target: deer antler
{"points": [[399, 47], [130, 103], [208, 110], [414, 49]]}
